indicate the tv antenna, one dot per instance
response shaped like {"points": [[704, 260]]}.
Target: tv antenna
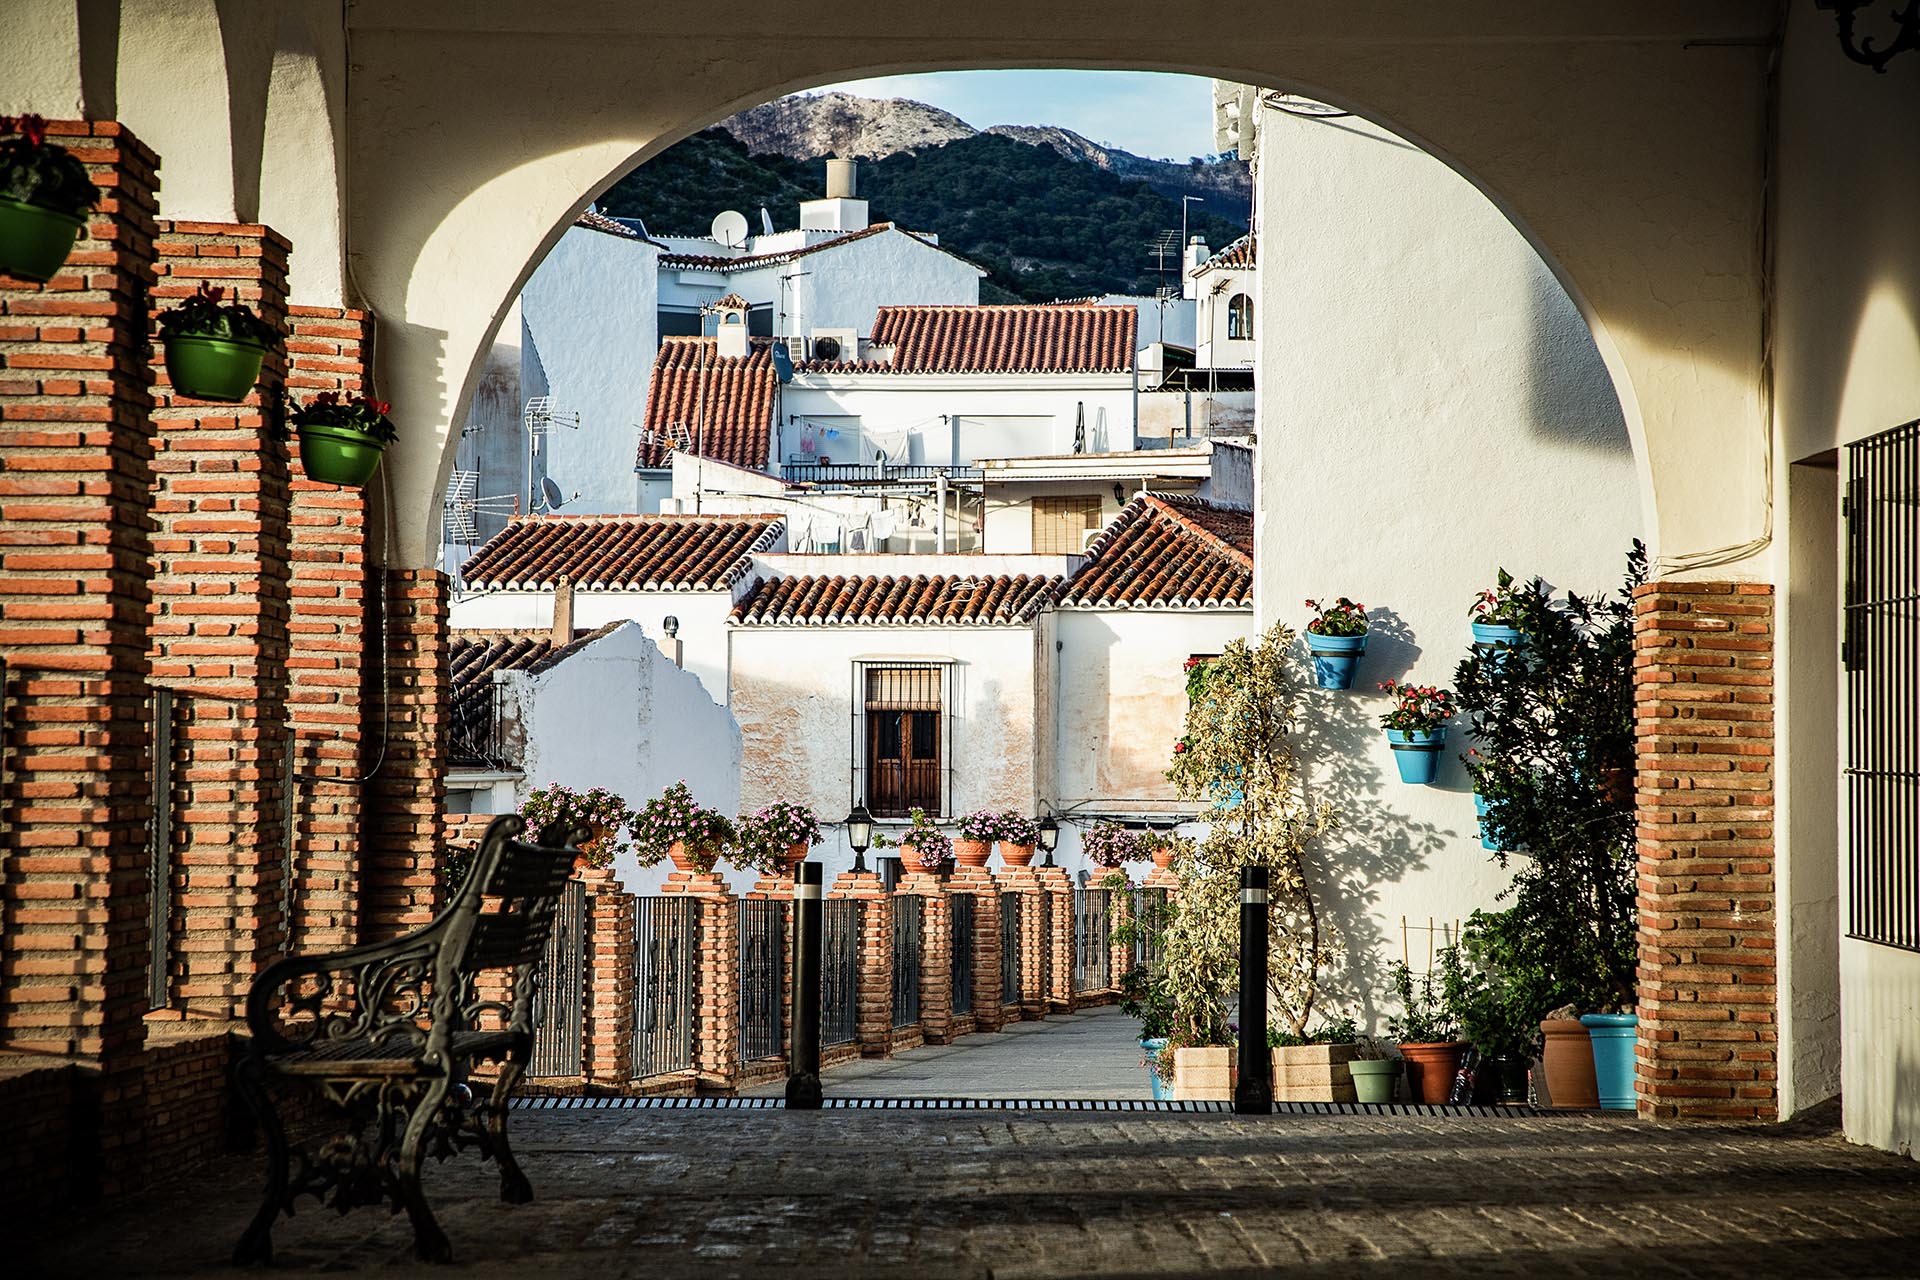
{"points": [[462, 508], [539, 421]]}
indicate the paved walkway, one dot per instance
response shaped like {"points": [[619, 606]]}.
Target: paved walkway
{"points": [[929, 1195], [1091, 1054]]}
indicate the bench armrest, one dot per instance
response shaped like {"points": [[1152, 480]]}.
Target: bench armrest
{"points": [[381, 991]]}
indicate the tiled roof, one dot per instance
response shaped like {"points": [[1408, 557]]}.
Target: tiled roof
{"points": [[594, 220], [1166, 552], [721, 262], [1238, 256], [611, 553], [724, 405], [472, 658], [1027, 338], [939, 601], [732, 301]]}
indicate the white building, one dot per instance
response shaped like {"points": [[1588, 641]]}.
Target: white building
{"points": [[1223, 286]]}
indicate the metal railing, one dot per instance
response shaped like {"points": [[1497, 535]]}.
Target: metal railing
{"points": [[960, 909], [1092, 940], [1009, 948], [872, 473], [665, 984], [560, 988], [906, 959], [1146, 910], [839, 971], [763, 936], [160, 856]]}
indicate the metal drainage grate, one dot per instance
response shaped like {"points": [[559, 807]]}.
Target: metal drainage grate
{"points": [[1035, 1104]]}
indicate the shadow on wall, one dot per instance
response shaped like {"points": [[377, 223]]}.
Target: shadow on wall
{"points": [[1370, 847], [1571, 399]]}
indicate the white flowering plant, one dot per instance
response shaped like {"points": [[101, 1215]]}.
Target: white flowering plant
{"points": [[675, 817]]}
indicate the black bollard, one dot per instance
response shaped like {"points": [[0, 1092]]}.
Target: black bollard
{"points": [[1253, 1093], [803, 1062]]}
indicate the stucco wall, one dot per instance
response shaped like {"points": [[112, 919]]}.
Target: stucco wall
{"points": [[1435, 411], [921, 404], [1182, 415]]}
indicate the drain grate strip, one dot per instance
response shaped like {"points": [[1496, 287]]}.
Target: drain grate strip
{"points": [[1091, 1105]]}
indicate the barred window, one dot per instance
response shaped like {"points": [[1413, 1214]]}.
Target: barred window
{"points": [[902, 737]]}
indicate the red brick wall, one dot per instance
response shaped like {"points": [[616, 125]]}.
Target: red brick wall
{"points": [[36, 1139], [1703, 707], [873, 965], [187, 1101], [607, 1054], [405, 798], [219, 631]]}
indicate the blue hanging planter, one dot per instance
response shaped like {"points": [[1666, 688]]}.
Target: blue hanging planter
{"points": [[1496, 642], [1335, 659], [1613, 1036], [1480, 811], [1417, 754]]}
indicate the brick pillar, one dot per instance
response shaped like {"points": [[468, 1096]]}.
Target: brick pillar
{"points": [[219, 632], [873, 1021], [1162, 878], [75, 469], [1034, 960], [716, 1052], [988, 1014], [1703, 721], [1057, 892], [406, 793], [936, 954], [330, 646], [607, 1055]]}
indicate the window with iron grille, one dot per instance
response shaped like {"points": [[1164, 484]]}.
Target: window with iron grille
{"points": [[1881, 652], [903, 736]]}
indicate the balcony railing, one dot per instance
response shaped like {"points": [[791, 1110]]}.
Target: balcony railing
{"points": [[852, 473]]}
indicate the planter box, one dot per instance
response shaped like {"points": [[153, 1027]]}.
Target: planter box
{"points": [[1313, 1073], [1203, 1075]]}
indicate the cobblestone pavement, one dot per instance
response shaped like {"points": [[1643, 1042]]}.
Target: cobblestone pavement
{"points": [[926, 1195]]}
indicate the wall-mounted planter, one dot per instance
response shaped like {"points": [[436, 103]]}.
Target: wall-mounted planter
{"points": [[339, 455], [1613, 1036], [1335, 659], [1480, 812], [35, 240], [1496, 642], [1417, 754], [217, 369], [1374, 1078]]}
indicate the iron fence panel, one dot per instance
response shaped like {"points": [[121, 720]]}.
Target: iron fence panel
{"points": [[559, 992], [1092, 940], [665, 984], [1147, 912], [1009, 948], [960, 909], [906, 959], [763, 935], [840, 972]]}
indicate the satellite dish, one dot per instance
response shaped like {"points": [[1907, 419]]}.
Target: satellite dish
{"points": [[730, 228], [766, 221], [550, 493], [782, 363]]}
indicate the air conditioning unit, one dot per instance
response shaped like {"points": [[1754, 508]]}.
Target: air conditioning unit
{"points": [[834, 344]]}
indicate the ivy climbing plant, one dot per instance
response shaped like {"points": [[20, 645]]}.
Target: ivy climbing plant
{"points": [[1234, 756]]}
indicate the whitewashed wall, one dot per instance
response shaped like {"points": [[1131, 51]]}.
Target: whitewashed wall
{"points": [[1213, 348], [885, 403], [1180, 415], [1434, 409]]}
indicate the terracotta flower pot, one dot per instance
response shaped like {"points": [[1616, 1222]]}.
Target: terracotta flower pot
{"points": [[1016, 855], [1568, 1060], [685, 859], [1163, 858], [972, 853], [794, 856], [1430, 1069]]}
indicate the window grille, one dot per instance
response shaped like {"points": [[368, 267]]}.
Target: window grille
{"points": [[902, 737], [1881, 653]]}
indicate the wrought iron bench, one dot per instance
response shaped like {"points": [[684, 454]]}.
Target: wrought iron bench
{"points": [[388, 1034]]}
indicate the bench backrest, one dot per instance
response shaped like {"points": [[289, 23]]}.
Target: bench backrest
{"points": [[503, 916]]}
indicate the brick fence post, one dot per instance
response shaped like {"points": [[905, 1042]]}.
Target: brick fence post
{"points": [[606, 1057], [1119, 912], [716, 1052], [988, 1011], [1703, 724], [219, 630], [406, 794], [1056, 892], [1034, 960], [873, 982], [936, 954], [75, 474]]}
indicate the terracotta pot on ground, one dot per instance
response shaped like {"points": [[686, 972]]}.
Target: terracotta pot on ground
{"points": [[1163, 858], [1204, 1074], [1016, 855], [1313, 1073], [1431, 1068], [1568, 1062], [685, 859], [972, 853]]}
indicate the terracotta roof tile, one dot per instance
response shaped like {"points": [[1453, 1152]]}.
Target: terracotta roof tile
{"points": [[1166, 552], [1238, 256], [722, 262], [611, 553], [594, 220], [472, 658], [724, 406], [1011, 339], [939, 601], [732, 301]]}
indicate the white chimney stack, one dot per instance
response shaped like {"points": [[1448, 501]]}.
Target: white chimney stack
{"points": [[1194, 255], [840, 180], [839, 212]]}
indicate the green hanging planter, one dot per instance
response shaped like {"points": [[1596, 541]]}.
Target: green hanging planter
{"points": [[213, 368], [339, 455], [35, 240]]}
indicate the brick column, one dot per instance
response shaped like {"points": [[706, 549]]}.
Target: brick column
{"points": [[606, 1057], [873, 1020], [1703, 721], [936, 955], [716, 1052], [1119, 954], [219, 631], [406, 792], [1034, 960], [75, 470], [1057, 892], [988, 1015], [331, 646]]}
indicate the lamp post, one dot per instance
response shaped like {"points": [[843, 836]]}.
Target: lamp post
{"points": [[860, 835], [1867, 51], [1049, 837]]}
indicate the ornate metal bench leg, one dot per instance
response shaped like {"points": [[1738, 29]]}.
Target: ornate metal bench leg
{"points": [[256, 1243], [514, 1187], [429, 1242]]}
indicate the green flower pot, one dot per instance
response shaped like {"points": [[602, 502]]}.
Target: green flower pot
{"points": [[213, 368], [1374, 1078], [35, 240], [339, 455]]}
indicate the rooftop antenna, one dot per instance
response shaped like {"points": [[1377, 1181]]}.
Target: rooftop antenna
{"points": [[539, 421], [1164, 245], [462, 508]]}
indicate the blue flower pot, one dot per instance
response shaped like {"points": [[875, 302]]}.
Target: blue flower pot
{"points": [[1417, 754], [1335, 658], [1496, 642], [1613, 1036], [1480, 811], [1151, 1050]]}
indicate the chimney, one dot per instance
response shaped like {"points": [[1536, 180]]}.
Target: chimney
{"points": [[562, 612], [1192, 257], [840, 180]]}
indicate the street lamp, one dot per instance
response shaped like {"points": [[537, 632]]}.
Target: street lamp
{"points": [[1049, 837], [1866, 50], [860, 835]]}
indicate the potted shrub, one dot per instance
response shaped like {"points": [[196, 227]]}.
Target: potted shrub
{"points": [[341, 440], [214, 349], [1496, 1014], [45, 196], [1315, 1067], [1336, 637], [1374, 1073], [597, 809], [1111, 846], [1428, 1032], [1018, 836], [1143, 995], [676, 825], [1497, 617], [1416, 728], [978, 831], [778, 836], [1159, 847], [924, 843]]}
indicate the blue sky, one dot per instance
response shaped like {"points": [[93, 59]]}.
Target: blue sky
{"points": [[1146, 112]]}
